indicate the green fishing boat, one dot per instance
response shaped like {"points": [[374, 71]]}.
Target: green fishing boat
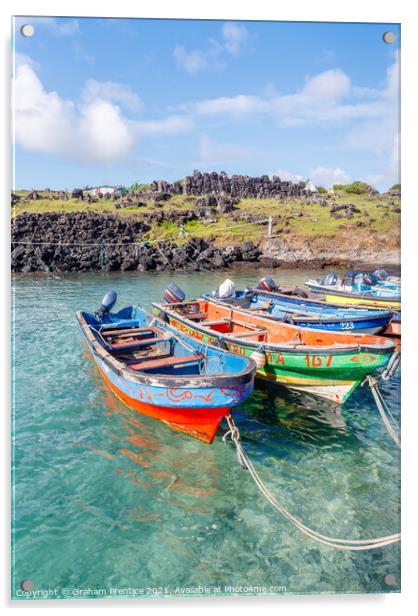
{"points": [[326, 364]]}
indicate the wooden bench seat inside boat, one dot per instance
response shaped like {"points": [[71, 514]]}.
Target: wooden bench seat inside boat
{"points": [[125, 333], [137, 342], [165, 362], [256, 332], [195, 316]]}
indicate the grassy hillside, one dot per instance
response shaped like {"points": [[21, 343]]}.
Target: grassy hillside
{"points": [[293, 220]]}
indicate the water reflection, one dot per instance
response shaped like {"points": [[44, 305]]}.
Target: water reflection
{"points": [[107, 496]]}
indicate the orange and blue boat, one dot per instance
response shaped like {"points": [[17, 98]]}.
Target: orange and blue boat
{"points": [[163, 373]]}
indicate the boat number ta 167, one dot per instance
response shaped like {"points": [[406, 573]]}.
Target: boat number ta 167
{"points": [[314, 361]]}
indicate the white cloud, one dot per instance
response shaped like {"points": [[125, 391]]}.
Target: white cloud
{"points": [[91, 130], [46, 123], [370, 116], [324, 176], [241, 103], [287, 176], [109, 90], [318, 101], [325, 99], [67, 27], [192, 62], [233, 37], [214, 153], [60, 26], [170, 125]]}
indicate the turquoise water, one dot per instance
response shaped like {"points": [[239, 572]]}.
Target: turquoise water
{"points": [[108, 502]]}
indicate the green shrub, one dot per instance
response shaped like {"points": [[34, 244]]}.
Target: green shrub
{"points": [[395, 187], [321, 190], [138, 186], [355, 188]]}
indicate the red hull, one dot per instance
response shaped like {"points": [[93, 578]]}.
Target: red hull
{"points": [[200, 423]]}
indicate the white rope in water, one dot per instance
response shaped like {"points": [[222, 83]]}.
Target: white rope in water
{"points": [[338, 544], [381, 406]]}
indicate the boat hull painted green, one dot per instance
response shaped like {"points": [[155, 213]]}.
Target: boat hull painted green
{"points": [[331, 373]]}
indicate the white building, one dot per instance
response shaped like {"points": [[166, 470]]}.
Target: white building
{"points": [[310, 186], [96, 191]]}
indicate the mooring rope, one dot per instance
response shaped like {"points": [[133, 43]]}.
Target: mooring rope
{"points": [[338, 544], [383, 410]]}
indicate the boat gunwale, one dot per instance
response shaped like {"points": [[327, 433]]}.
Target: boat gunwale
{"points": [[315, 319], [293, 348], [395, 299], [166, 380], [322, 303]]}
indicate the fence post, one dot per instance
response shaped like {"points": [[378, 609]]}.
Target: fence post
{"points": [[270, 227]]}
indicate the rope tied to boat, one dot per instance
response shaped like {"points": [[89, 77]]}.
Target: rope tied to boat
{"points": [[338, 544], [384, 410], [382, 407], [233, 432]]}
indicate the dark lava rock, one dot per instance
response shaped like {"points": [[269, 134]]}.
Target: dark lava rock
{"points": [[249, 251], [80, 241], [345, 210], [226, 205]]}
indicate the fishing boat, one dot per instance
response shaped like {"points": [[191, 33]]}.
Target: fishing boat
{"points": [[350, 291], [326, 364], [382, 278], [303, 312], [293, 296], [163, 373]]}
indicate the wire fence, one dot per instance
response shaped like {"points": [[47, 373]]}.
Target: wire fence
{"points": [[182, 233]]}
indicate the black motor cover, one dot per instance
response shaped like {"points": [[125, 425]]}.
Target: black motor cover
{"points": [[266, 284], [108, 301], [173, 294]]}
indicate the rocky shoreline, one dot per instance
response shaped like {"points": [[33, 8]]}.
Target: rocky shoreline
{"points": [[81, 242]]}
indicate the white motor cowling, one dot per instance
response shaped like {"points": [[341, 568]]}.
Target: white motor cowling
{"points": [[226, 290]]}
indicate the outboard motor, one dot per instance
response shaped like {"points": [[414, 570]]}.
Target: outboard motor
{"points": [[266, 284], [370, 279], [330, 279], [226, 290], [173, 294], [108, 301], [380, 274], [348, 280]]}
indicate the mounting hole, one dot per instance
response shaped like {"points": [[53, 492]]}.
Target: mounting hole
{"points": [[389, 37], [26, 585], [27, 30], [389, 579]]}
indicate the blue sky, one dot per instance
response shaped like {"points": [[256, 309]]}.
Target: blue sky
{"points": [[115, 101]]}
